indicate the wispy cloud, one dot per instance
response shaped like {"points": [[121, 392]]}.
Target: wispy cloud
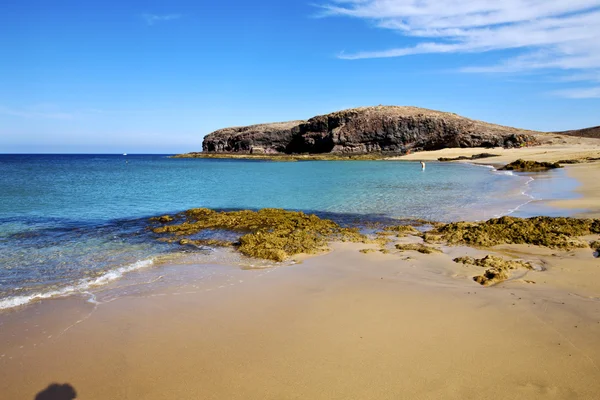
{"points": [[550, 34], [152, 19], [42, 111], [579, 93]]}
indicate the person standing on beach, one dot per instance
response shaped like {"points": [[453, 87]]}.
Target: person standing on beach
{"points": [[422, 166]]}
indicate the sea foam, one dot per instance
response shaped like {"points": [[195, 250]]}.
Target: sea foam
{"points": [[80, 287]]}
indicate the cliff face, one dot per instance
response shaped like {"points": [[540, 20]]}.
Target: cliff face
{"points": [[367, 129], [264, 138]]}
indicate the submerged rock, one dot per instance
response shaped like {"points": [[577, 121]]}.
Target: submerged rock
{"points": [[530, 166], [163, 219], [205, 242]]}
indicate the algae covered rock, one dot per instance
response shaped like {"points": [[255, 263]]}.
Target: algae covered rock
{"points": [[421, 248], [559, 232], [491, 276], [205, 242], [497, 268], [367, 251], [530, 166], [163, 219], [272, 234], [490, 261], [400, 230]]}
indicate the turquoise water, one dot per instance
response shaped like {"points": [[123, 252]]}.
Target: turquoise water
{"points": [[68, 222]]}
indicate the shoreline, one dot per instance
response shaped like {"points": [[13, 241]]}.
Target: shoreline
{"points": [[88, 287], [338, 325]]}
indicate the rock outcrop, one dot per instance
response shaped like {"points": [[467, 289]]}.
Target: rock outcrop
{"points": [[530, 166], [365, 130], [263, 138]]}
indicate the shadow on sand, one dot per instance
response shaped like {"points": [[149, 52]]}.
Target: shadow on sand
{"points": [[56, 391]]}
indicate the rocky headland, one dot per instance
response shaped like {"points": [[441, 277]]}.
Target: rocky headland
{"points": [[366, 130]]}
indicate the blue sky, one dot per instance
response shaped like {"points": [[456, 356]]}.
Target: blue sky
{"points": [[156, 76]]}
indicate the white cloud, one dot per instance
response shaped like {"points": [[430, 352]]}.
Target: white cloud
{"points": [[151, 19], [549, 34], [39, 111], [581, 93]]}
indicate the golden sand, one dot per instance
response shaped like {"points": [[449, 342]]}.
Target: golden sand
{"points": [[339, 326]]}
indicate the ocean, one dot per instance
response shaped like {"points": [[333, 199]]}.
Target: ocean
{"points": [[69, 223]]}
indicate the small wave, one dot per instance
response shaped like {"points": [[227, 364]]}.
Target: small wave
{"points": [[482, 165], [81, 287], [495, 171], [524, 192], [514, 210]]}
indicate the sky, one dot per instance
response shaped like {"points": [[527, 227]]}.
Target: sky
{"points": [[156, 76]]}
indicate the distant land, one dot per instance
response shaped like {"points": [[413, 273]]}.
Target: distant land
{"points": [[369, 130], [593, 132]]}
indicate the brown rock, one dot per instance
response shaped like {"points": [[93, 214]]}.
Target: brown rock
{"points": [[365, 130]]}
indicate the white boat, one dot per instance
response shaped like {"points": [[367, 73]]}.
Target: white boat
{"points": [[124, 154]]}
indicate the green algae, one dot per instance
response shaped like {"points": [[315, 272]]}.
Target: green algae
{"points": [[497, 268], [421, 248], [272, 234], [400, 230], [530, 166], [367, 251], [206, 242], [559, 232], [163, 219]]}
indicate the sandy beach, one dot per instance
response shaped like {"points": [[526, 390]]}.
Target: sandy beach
{"points": [[343, 325], [300, 200]]}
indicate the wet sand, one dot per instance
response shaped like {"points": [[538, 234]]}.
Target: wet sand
{"points": [[339, 326], [588, 175], [344, 325]]}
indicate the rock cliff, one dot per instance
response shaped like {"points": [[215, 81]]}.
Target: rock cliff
{"points": [[365, 130], [263, 138]]}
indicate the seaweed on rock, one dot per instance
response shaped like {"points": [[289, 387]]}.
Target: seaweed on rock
{"points": [[401, 230], [421, 248], [497, 268], [272, 234], [559, 232], [530, 166]]}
